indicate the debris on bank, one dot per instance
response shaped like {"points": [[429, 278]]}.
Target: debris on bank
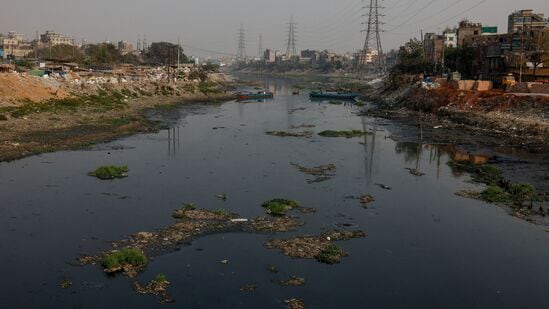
{"points": [[293, 281], [276, 224], [158, 287], [305, 134], [110, 172], [248, 288], [322, 172], [130, 256], [295, 303], [315, 247]]}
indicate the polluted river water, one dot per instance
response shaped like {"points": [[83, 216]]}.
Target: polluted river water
{"points": [[425, 247]]}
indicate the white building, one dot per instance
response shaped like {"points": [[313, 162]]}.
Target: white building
{"points": [[450, 39]]}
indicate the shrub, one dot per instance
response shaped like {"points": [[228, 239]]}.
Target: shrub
{"points": [[126, 256], [279, 207], [331, 255], [494, 194]]}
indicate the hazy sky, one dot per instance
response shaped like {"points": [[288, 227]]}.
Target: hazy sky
{"points": [[213, 24]]}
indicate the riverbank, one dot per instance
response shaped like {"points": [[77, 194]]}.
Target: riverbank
{"points": [[492, 118], [93, 115]]}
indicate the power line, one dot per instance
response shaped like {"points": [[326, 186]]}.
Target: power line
{"points": [[413, 16]]}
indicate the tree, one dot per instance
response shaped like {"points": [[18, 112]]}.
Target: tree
{"points": [[538, 45], [411, 59], [104, 53], [61, 52], [460, 59], [165, 53]]}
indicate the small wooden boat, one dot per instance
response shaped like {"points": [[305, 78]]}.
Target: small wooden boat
{"points": [[339, 95], [246, 95]]}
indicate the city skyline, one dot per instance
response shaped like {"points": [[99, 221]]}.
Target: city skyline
{"points": [[207, 33]]}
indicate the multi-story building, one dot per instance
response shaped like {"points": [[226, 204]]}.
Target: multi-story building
{"points": [[526, 20], [14, 46], [51, 38], [434, 47], [125, 47], [450, 38], [270, 56], [468, 33]]}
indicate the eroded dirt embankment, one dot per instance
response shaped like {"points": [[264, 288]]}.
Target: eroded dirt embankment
{"points": [[39, 115], [490, 117]]}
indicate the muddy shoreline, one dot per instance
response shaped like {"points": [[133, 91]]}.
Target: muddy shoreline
{"points": [[496, 121], [50, 131]]}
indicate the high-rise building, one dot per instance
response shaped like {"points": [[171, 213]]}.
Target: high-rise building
{"points": [[526, 20]]}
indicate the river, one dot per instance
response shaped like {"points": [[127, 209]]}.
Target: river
{"points": [[426, 247]]}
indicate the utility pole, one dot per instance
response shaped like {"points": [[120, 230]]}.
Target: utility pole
{"points": [[260, 46], [373, 40], [178, 54], [36, 46], [241, 54], [291, 50]]}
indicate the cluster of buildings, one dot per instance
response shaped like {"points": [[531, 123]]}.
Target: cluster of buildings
{"points": [[521, 50], [314, 59], [15, 46]]}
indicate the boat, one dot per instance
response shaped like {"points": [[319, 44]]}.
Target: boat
{"points": [[338, 95], [247, 95]]}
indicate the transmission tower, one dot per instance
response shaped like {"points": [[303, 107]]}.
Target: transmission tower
{"points": [[241, 54], [372, 43], [291, 49]]}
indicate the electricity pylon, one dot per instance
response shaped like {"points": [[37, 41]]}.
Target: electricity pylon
{"points": [[372, 43]]}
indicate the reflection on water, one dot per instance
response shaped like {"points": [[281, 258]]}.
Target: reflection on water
{"points": [[421, 237], [174, 140]]}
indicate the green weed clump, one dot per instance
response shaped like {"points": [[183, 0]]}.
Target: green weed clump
{"points": [[126, 256], [160, 279], [331, 255], [521, 192], [110, 172], [346, 134], [180, 213], [279, 207], [495, 194]]}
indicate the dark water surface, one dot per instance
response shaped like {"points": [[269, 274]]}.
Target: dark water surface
{"points": [[426, 247]]}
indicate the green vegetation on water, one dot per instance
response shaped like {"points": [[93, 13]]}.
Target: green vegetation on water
{"points": [[499, 189], [331, 255], [110, 172], [346, 134], [160, 279], [126, 256], [279, 207]]}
